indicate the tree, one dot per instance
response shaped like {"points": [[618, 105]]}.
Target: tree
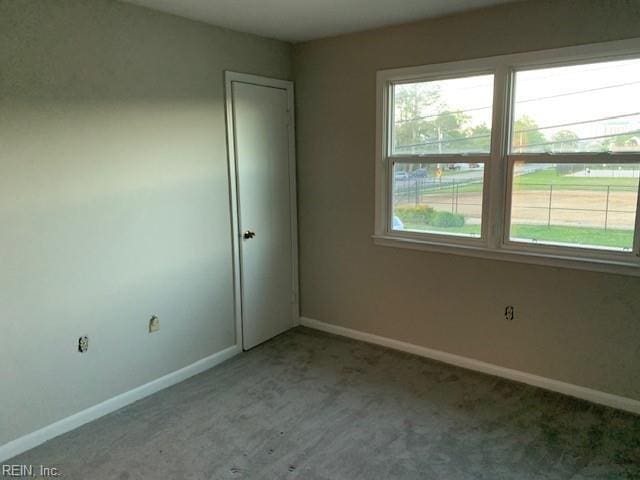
{"points": [[527, 136], [425, 124], [449, 126], [567, 141], [479, 138], [411, 126], [620, 142]]}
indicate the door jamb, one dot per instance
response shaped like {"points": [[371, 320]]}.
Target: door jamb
{"points": [[229, 78]]}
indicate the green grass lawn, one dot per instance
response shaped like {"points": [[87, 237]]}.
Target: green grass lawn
{"points": [[445, 187], [576, 235], [533, 181], [539, 180]]}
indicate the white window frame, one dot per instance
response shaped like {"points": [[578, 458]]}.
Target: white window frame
{"points": [[494, 242]]}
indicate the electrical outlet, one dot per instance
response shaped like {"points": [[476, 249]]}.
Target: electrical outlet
{"points": [[154, 324], [509, 313], [83, 344]]}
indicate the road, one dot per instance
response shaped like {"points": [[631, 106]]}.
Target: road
{"points": [[460, 177]]}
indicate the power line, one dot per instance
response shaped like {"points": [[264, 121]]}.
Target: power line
{"points": [[630, 132], [579, 71], [529, 100], [486, 84], [613, 117], [600, 67], [577, 92], [455, 140], [447, 114]]}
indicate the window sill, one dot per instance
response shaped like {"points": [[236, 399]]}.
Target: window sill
{"points": [[619, 267]]}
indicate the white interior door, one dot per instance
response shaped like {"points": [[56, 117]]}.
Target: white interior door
{"points": [[265, 202]]}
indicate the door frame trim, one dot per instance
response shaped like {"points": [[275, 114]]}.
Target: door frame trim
{"points": [[229, 78]]}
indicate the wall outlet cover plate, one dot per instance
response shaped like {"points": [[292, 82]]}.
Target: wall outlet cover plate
{"points": [[154, 324]]}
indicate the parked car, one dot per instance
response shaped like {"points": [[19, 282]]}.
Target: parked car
{"points": [[402, 175], [419, 173]]}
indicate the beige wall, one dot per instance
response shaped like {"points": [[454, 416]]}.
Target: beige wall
{"points": [[574, 326], [114, 204], [113, 199]]}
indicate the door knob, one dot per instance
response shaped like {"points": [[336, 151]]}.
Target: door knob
{"points": [[248, 234]]}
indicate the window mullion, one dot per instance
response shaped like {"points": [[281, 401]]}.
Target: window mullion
{"points": [[495, 190], [382, 176], [581, 157], [441, 159], [636, 232]]}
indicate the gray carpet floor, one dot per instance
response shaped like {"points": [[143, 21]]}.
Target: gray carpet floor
{"points": [[309, 405]]}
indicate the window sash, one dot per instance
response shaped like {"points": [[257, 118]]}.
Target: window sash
{"points": [[390, 92], [432, 160], [590, 158], [587, 159], [602, 54], [433, 236], [390, 159], [444, 158]]}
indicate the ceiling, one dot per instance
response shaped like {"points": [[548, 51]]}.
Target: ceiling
{"points": [[300, 20]]}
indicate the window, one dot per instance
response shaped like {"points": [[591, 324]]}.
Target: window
{"points": [[442, 116], [584, 201], [530, 157], [577, 109], [441, 137], [585, 205]]}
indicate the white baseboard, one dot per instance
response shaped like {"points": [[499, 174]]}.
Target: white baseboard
{"points": [[65, 425], [595, 396]]}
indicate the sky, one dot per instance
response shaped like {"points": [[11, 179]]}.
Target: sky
{"points": [[578, 93], [585, 92]]}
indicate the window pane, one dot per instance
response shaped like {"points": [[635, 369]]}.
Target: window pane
{"points": [[443, 199], [579, 205], [584, 108], [445, 116]]}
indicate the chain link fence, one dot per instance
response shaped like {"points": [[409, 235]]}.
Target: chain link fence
{"points": [[598, 206]]}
